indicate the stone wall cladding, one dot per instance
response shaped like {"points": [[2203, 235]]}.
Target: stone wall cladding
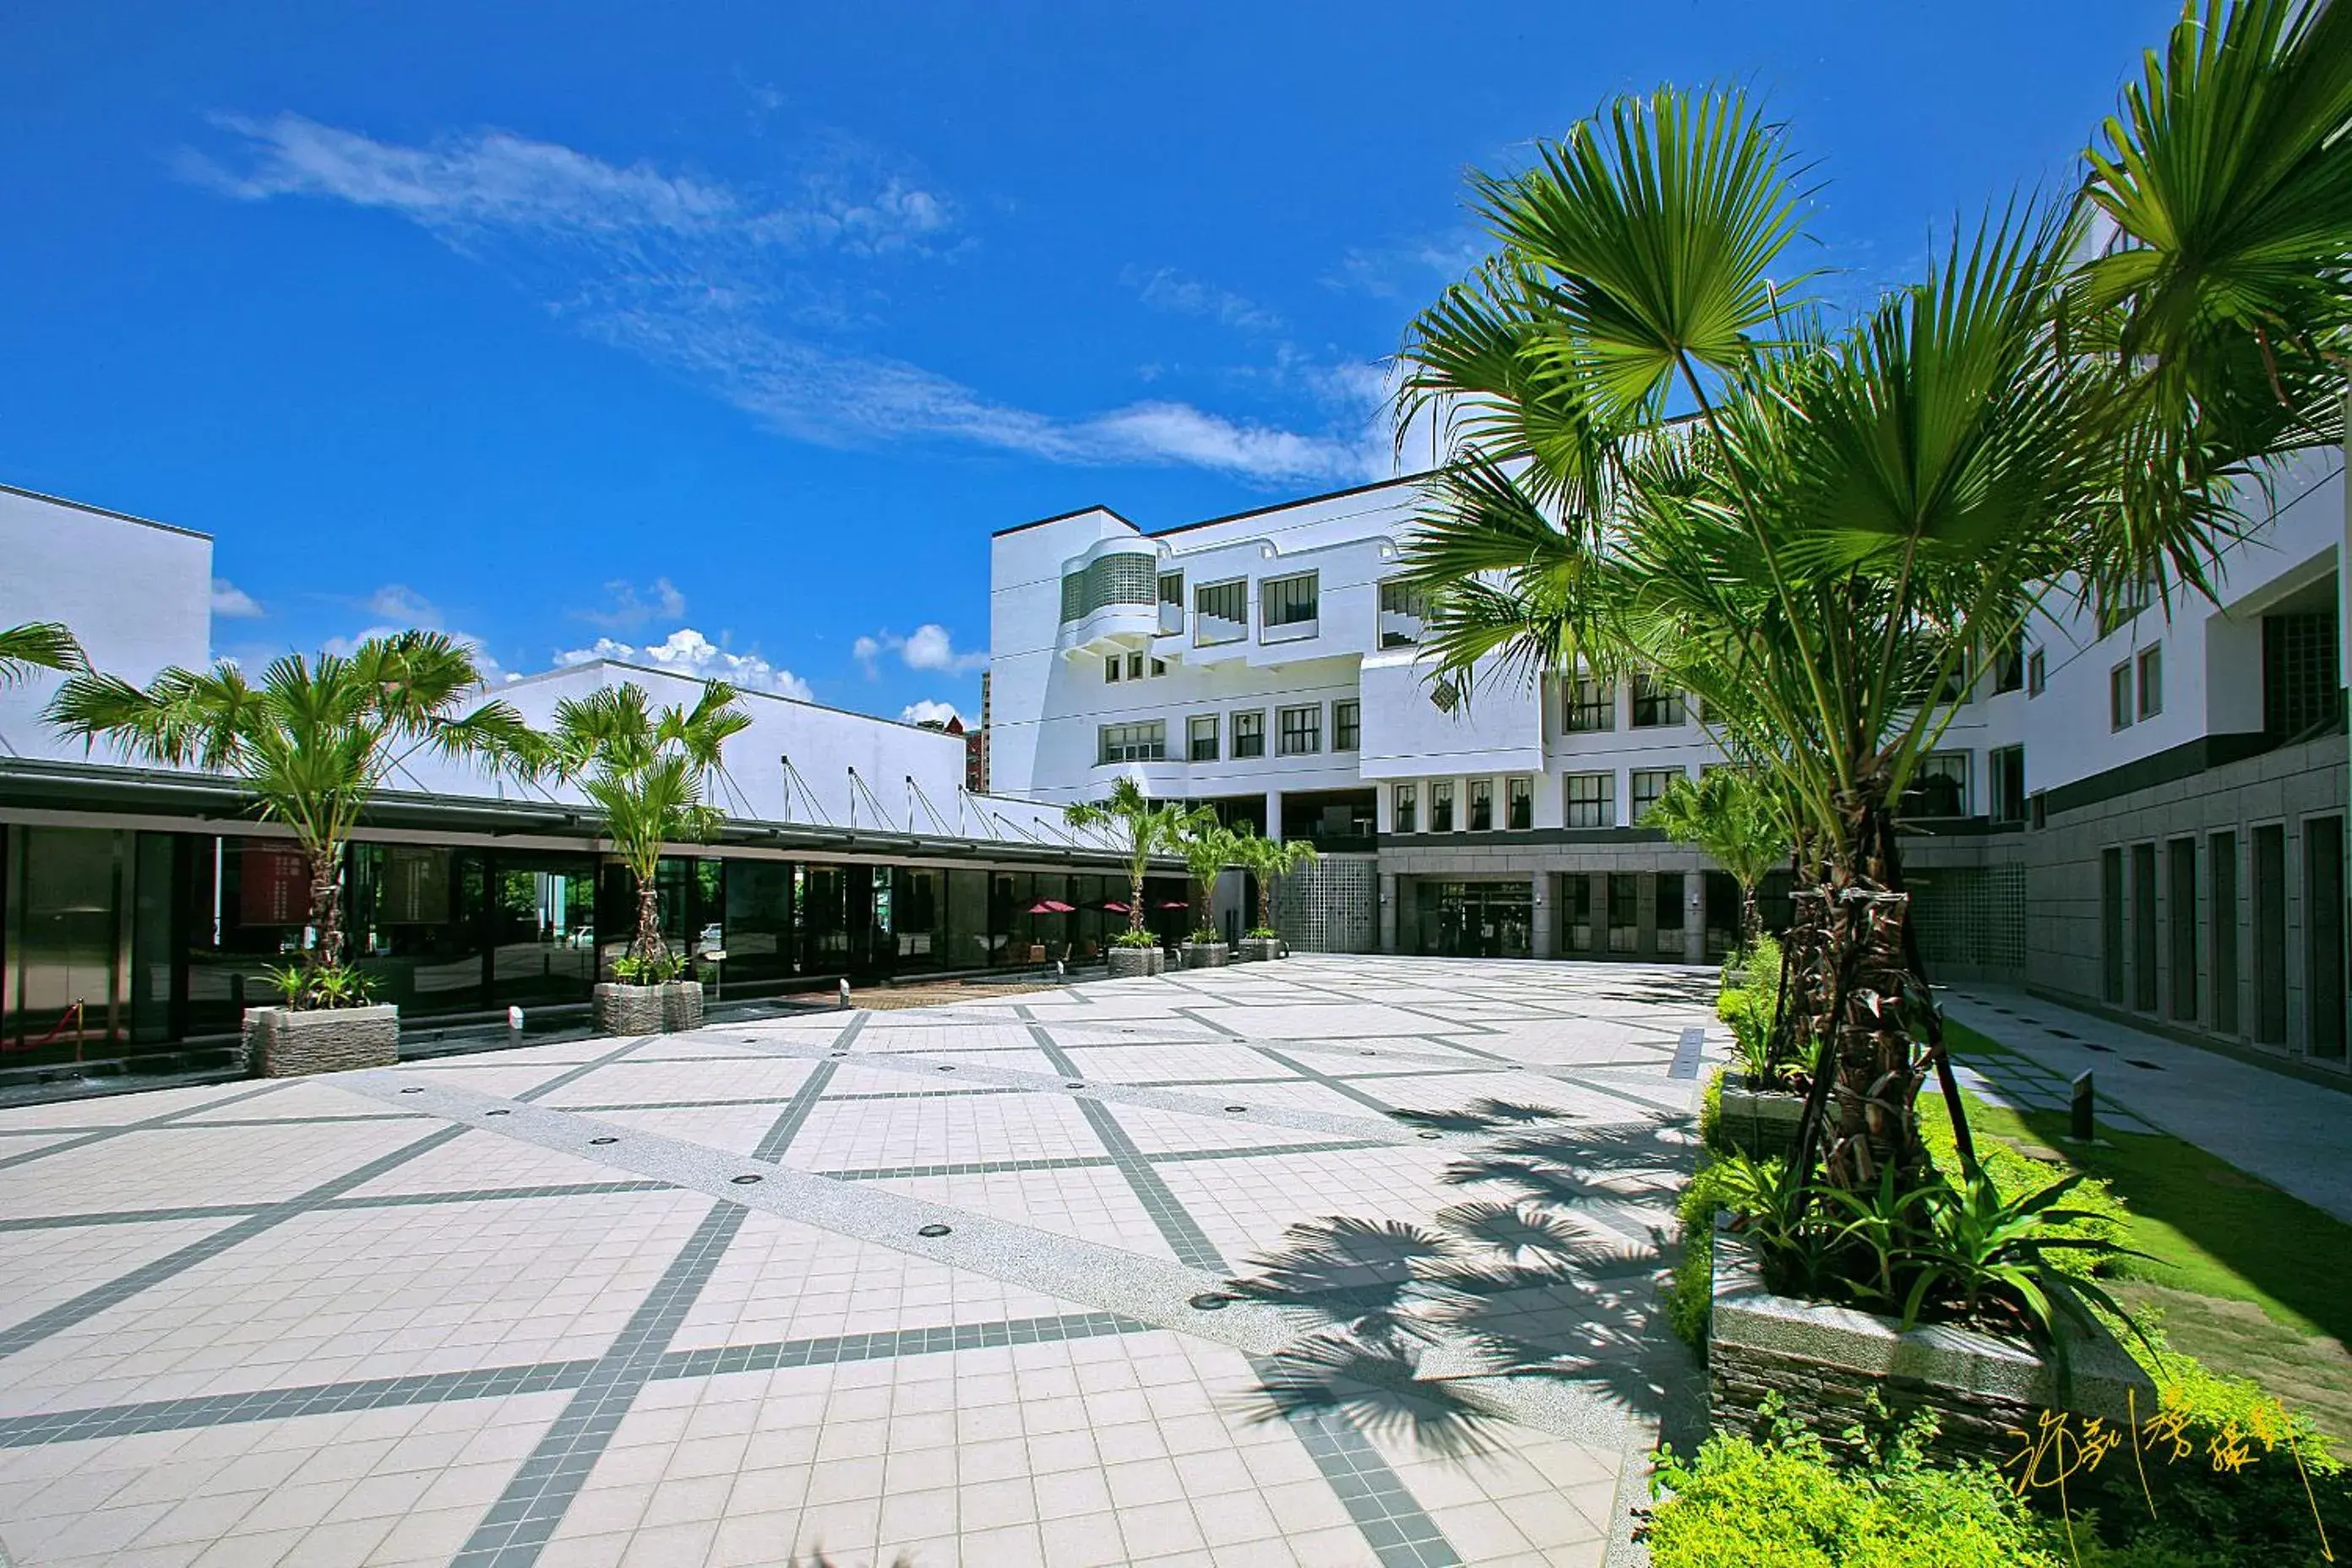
{"points": [[1761, 1124], [282, 1043], [1825, 1362], [1204, 955], [1130, 963]]}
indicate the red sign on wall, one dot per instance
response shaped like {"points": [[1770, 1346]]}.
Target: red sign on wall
{"points": [[273, 884]]}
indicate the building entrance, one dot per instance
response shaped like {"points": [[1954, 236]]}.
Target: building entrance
{"points": [[1475, 919]]}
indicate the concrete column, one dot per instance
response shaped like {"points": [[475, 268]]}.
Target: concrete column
{"points": [[1391, 891], [1274, 813], [1539, 942], [1694, 916]]}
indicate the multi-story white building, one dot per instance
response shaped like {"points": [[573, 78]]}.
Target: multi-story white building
{"points": [[2143, 809]]}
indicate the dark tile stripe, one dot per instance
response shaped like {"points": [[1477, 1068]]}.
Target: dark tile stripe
{"points": [[1687, 1054], [890, 1344]]}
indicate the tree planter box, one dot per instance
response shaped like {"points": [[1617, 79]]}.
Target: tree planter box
{"points": [[650, 1009], [1825, 1361], [1761, 1123], [280, 1042], [1262, 948], [1127, 962], [1204, 955]]}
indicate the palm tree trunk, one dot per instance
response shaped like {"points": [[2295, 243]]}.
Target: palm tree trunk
{"points": [[1751, 920], [1265, 901], [649, 944], [1135, 897], [326, 907]]}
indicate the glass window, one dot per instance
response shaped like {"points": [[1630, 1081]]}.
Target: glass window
{"points": [[1286, 601], [1249, 734], [1657, 706], [2151, 682], [1519, 804], [1939, 787], [1669, 911], [1112, 666], [2037, 673], [1591, 705], [2120, 696], [1144, 743], [1649, 784], [1346, 725], [1171, 588], [1135, 667], [1220, 612], [2009, 667], [1407, 816], [1404, 608], [1482, 804], [1159, 667], [1299, 731], [1200, 737], [1592, 800], [2006, 766], [1441, 806]]}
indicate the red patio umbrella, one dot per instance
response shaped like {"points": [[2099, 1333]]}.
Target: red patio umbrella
{"points": [[1171, 904], [1110, 907], [1051, 906]]}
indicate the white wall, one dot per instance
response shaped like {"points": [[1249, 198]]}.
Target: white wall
{"points": [[138, 595]]}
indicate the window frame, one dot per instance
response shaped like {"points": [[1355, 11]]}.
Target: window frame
{"points": [[1634, 808], [1661, 698], [1348, 725], [1574, 702], [1478, 812], [1312, 730], [1600, 812], [1192, 738], [1441, 805], [2151, 658], [2120, 688], [1292, 627], [1113, 663], [1253, 721], [1142, 747], [2037, 672], [1518, 804], [1967, 781], [1202, 614], [1404, 808], [1998, 760], [1411, 604]]}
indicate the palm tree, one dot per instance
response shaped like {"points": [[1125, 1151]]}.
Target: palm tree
{"points": [[312, 741], [1266, 859], [649, 773], [1208, 847], [38, 645], [1732, 816], [1147, 829], [1827, 548]]}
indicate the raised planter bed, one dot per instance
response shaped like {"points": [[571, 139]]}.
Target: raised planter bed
{"points": [[1204, 954], [1825, 1361], [1260, 949], [281, 1042], [650, 1009], [1761, 1123], [1128, 962]]}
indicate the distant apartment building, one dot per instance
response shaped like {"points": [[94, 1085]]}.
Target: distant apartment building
{"points": [[2141, 807]]}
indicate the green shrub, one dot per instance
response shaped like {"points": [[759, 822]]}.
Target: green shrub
{"points": [[1786, 1502], [1750, 1006], [2015, 1175], [1690, 1293], [1710, 1114]]}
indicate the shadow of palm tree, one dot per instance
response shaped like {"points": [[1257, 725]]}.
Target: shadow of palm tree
{"points": [[1483, 1116], [1332, 1380]]}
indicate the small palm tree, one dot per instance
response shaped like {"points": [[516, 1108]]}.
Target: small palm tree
{"points": [[649, 772], [1266, 859], [38, 645], [1148, 829], [1208, 847], [1733, 816], [312, 741]]}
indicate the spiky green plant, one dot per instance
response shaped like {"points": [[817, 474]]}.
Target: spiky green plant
{"points": [[1147, 830]]}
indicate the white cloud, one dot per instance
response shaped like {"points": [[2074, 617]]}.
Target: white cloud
{"points": [[688, 652], [630, 610], [927, 646], [232, 603], [400, 608], [1165, 288], [927, 711], [720, 284]]}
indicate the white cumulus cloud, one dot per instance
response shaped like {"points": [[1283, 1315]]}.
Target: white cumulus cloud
{"points": [[927, 711], [232, 603], [630, 610], [688, 652], [400, 608], [927, 646]]}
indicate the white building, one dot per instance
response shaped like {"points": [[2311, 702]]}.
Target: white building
{"points": [[2143, 810]]}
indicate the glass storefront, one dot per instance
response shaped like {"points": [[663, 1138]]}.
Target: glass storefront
{"points": [[1475, 919]]}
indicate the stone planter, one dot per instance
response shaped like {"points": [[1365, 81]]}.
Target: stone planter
{"points": [[1825, 1361], [280, 1042], [650, 1009], [1204, 955], [1761, 1123], [1128, 962], [1263, 949]]}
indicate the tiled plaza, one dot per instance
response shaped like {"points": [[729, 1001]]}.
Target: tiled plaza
{"points": [[1331, 1261]]}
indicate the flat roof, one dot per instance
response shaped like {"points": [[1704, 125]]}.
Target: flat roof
{"points": [[1065, 517], [1413, 477], [101, 511]]}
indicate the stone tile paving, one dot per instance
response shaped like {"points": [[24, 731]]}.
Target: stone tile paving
{"points": [[1334, 1261]]}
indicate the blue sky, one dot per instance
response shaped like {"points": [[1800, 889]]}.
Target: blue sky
{"points": [[732, 331]]}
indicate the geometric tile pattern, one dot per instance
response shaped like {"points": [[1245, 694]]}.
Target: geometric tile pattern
{"points": [[1336, 1261]]}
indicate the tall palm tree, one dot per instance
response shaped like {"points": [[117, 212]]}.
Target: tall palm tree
{"points": [[1734, 816], [38, 645], [1208, 847], [1269, 860], [649, 773], [1827, 544], [312, 741], [1147, 830]]}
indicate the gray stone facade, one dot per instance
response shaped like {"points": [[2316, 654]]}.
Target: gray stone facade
{"points": [[650, 1009], [281, 1042]]}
